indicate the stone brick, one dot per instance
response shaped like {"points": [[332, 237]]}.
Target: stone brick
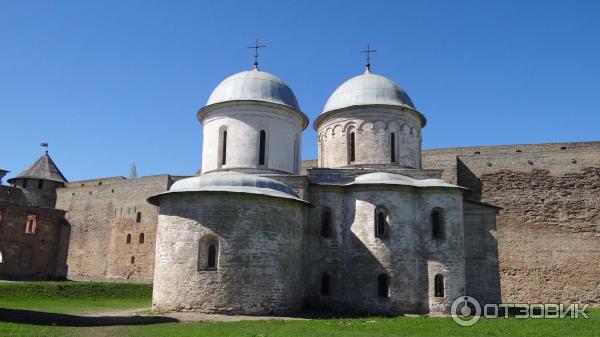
{"points": [[548, 231], [101, 213], [259, 265]]}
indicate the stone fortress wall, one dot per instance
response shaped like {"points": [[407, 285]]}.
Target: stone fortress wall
{"points": [[34, 236], [549, 228], [102, 213], [31, 256]]}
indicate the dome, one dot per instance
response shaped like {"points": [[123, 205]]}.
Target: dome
{"points": [[235, 182], [254, 85], [368, 89], [397, 179]]}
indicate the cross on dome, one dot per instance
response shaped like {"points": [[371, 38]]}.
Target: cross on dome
{"points": [[368, 51], [256, 46]]}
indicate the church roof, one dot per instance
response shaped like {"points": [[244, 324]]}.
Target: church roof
{"points": [[254, 85], [368, 89], [233, 182], [43, 168], [384, 178]]}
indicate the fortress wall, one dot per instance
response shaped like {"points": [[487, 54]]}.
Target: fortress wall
{"points": [[101, 213], [549, 229], [482, 276], [32, 256]]}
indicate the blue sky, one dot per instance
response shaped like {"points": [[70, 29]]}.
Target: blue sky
{"points": [[107, 83]]}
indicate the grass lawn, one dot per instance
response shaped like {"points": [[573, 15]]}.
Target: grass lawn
{"points": [[73, 297], [31, 308]]}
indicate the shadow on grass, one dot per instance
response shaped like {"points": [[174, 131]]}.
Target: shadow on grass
{"points": [[47, 318]]}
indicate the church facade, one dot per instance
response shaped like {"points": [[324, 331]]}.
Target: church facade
{"points": [[368, 226], [368, 230]]}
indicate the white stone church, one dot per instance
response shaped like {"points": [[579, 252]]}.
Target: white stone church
{"points": [[365, 231]]}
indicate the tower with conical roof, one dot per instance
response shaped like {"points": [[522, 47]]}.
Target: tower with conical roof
{"points": [[2, 174], [39, 182]]}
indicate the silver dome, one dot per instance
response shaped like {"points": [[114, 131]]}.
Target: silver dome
{"points": [[367, 89], [228, 181], [254, 85]]}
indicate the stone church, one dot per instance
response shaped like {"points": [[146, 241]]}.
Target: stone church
{"points": [[373, 225], [367, 230]]}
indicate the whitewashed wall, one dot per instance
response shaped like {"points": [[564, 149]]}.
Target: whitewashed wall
{"points": [[243, 122]]}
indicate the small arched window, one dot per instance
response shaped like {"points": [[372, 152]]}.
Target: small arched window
{"points": [[351, 147], [381, 223], [437, 224], [296, 153], [141, 238], [438, 282], [138, 217], [325, 222], [1, 257], [40, 184], [25, 183], [325, 284], [224, 147], [212, 256], [208, 253], [383, 285], [393, 147], [262, 144], [128, 238], [132, 260], [31, 224]]}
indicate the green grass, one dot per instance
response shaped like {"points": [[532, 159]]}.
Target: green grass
{"points": [[76, 297], [401, 326]]}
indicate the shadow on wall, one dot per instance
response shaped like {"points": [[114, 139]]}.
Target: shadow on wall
{"points": [[52, 319], [468, 179], [354, 269]]}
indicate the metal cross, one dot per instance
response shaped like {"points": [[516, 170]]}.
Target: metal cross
{"points": [[368, 51], [256, 46]]}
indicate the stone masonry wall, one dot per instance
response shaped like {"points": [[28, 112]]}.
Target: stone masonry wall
{"points": [[40, 255], [549, 229], [482, 274], [353, 257], [372, 128], [102, 212], [259, 253]]}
